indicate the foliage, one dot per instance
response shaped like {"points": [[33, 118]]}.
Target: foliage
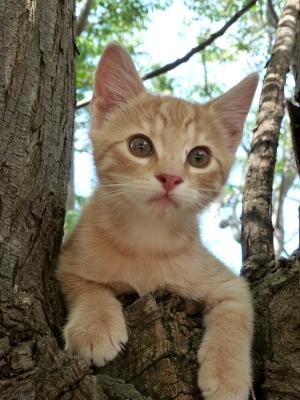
{"points": [[110, 20], [72, 215], [71, 219], [250, 30]]}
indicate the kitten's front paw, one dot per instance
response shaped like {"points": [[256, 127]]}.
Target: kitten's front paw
{"points": [[97, 341], [222, 375]]}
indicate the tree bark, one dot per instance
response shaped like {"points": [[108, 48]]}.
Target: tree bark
{"points": [[274, 283], [257, 229], [164, 335], [276, 352], [36, 112]]}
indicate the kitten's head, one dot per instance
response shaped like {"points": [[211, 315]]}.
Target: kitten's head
{"points": [[159, 154]]}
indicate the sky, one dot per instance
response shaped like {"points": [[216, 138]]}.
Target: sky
{"points": [[162, 46]]}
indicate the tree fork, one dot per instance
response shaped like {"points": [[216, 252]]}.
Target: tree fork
{"points": [[274, 283]]}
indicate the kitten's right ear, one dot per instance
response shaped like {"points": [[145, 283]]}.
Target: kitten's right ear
{"points": [[116, 81], [232, 109]]}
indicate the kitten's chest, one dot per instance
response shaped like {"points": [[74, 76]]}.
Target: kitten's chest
{"points": [[141, 272]]}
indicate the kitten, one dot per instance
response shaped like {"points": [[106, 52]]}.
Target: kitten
{"points": [[160, 161]]}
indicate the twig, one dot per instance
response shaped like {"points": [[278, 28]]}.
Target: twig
{"points": [[82, 103], [83, 16], [202, 45], [273, 14], [193, 51], [253, 394]]}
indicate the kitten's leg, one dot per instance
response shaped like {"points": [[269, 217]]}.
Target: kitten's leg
{"points": [[224, 355], [96, 327]]}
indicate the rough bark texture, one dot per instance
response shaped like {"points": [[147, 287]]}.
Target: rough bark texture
{"points": [[36, 114], [36, 118], [276, 351], [159, 363], [164, 335], [257, 229]]}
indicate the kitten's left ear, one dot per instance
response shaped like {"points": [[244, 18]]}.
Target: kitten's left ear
{"points": [[233, 106]]}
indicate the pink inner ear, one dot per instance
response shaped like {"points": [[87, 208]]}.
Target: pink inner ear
{"points": [[232, 108], [102, 105], [116, 80]]}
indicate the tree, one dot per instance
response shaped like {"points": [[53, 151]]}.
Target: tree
{"points": [[275, 283], [36, 108]]}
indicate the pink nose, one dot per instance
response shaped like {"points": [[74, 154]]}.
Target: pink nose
{"points": [[169, 181]]}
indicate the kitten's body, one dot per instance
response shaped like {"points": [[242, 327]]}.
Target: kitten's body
{"points": [[136, 235]]}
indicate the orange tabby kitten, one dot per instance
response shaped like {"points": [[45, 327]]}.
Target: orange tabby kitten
{"points": [[160, 161]]}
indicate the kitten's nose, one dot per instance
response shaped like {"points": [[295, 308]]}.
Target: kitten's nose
{"points": [[169, 181]]}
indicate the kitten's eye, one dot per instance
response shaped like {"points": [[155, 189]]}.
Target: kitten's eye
{"points": [[199, 157], [140, 146]]}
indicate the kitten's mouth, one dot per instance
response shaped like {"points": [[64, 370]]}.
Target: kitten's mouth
{"points": [[164, 199]]}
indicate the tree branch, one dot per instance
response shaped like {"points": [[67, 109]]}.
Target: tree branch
{"points": [[193, 51], [289, 174], [293, 107], [201, 46], [273, 17], [83, 16], [296, 64], [294, 114], [82, 103], [257, 229]]}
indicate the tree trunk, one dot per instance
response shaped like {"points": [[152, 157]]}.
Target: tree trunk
{"points": [[36, 111]]}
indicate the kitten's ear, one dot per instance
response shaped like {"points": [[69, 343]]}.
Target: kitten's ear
{"points": [[116, 81], [233, 106]]}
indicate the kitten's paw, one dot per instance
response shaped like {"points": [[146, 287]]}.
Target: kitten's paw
{"points": [[97, 341], [221, 377]]}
